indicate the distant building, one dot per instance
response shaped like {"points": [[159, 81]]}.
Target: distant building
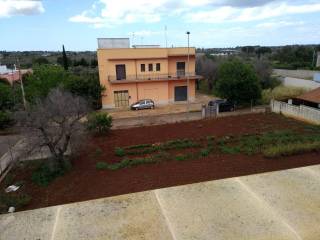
{"points": [[224, 52], [12, 75], [144, 72], [318, 60]]}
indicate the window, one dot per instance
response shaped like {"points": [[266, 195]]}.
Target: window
{"points": [[143, 67], [158, 67], [150, 68]]}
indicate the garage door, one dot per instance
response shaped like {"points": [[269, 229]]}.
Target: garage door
{"points": [[180, 93], [121, 98]]}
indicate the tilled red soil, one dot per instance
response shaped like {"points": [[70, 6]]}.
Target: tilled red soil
{"points": [[85, 182]]}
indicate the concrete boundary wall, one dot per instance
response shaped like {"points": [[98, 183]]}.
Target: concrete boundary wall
{"points": [[301, 112], [305, 74], [298, 82]]}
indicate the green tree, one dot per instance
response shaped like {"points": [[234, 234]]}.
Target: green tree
{"points": [[65, 59], [43, 79], [87, 85], [94, 63], [238, 82], [6, 97], [263, 50], [40, 61], [47, 77]]}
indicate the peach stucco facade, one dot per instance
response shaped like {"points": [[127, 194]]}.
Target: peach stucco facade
{"points": [[160, 74]]}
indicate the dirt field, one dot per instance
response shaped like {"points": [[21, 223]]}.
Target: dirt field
{"points": [[85, 182]]}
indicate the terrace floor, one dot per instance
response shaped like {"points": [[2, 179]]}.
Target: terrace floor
{"points": [[275, 205]]}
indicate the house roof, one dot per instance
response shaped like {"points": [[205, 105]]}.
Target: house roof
{"points": [[312, 96]]}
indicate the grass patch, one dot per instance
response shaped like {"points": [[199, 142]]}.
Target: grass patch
{"points": [[101, 165], [281, 93], [290, 149]]}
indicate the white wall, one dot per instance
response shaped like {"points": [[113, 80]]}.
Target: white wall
{"points": [[299, 112]]}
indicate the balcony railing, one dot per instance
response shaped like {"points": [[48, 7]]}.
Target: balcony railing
{"points": [[145, 77]]}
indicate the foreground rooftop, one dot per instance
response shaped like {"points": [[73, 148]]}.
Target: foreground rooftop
{"points": [[276, 205]]}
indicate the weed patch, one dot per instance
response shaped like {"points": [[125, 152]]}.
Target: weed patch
{"points": [[290, 149]]}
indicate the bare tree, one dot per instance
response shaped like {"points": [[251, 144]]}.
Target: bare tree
{"points": [[54, 123], [208, 69]]}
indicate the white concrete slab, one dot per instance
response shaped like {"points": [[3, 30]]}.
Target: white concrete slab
{"points": [[28, 225], [220, 210], [294, 195]]}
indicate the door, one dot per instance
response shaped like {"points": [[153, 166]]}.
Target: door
{"points": [[121, 98], [181, 68], [180, 93], [121, 71]]}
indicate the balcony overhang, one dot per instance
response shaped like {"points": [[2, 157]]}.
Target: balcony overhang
{"points": [[156, 79]]}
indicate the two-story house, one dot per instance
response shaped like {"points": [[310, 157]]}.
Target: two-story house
{"points": [[144, 72]]}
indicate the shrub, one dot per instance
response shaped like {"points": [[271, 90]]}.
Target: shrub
{"points": [[44, 175], [120, 152], [5, 120], [127, 162], [102, 165], [16, 200], [205, 152], [290, 149], [138, 146], [180, 157], [99, 122]]}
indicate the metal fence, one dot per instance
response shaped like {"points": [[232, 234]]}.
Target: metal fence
{"points": [[299, 112], [210, 111]]}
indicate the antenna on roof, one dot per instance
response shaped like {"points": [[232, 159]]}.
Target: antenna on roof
{"points": [[165, 35], [132, 38]]}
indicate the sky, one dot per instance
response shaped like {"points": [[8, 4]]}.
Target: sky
{"points": [[47, 24]]}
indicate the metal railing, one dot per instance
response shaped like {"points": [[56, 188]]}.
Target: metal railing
{"points": [[145, 77]]}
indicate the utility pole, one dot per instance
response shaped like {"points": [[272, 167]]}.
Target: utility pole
{"points": [[188, 77], [21, 85], [314, 57], [165, 35]]}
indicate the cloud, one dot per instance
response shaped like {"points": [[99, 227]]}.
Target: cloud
{"points": [[108, 13], [279, 24], [10, 8], [143, 33], [233, 14]]}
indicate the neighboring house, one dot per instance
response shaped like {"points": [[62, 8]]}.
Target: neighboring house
{"points": [[311, 99], [144, 72], [12, 75]]}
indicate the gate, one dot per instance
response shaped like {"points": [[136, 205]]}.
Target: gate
{"points": [[121, 98], [210, 111]]}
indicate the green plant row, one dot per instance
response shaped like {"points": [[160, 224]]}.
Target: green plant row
{"points": [[290, 149], [151, 148], [253, 144], [161, 156]]}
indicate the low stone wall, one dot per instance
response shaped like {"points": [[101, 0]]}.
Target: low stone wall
{"points": [[301, 112]]}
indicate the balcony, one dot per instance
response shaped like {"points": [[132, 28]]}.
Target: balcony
{"points": [[154, 77]]}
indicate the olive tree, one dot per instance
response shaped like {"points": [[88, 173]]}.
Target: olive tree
{"points": [[54, 123]]}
